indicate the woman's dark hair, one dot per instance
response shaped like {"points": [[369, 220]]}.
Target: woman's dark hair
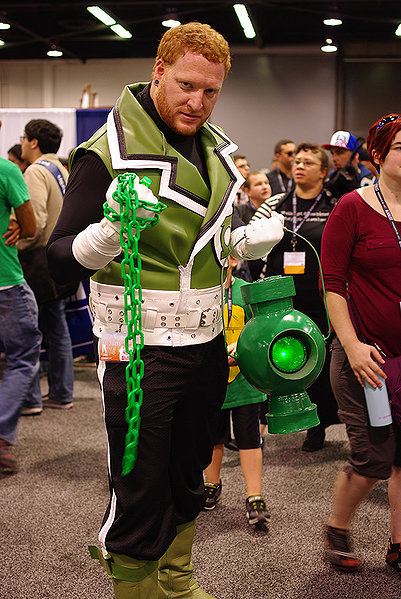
{"points": [[16, 151]]}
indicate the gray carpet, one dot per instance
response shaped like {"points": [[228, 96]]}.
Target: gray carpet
{"points": [[51, 510]]}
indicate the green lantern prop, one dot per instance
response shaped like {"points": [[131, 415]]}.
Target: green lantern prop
{"points": [[281, 352]]}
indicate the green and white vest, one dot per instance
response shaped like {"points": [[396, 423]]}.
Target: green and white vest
{"points": [[183, 254]]}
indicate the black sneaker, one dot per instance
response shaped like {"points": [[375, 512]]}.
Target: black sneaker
{"points": [[338, 550], [393, 557], [212, 494], [314, 439], [232, 444], [256, 510]]}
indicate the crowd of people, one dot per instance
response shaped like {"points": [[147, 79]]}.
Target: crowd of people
{"points": [[34, 182], [56, 232]]}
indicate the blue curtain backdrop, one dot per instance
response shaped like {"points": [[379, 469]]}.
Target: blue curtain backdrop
{"points": [[88, 121]]}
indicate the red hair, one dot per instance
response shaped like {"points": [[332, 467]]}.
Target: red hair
{"points": [[198, 38], [381, 135]]}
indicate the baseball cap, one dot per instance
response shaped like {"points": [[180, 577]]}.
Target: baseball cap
{"points": [[342, 139]]}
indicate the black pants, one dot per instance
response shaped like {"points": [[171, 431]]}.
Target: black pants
{"points": [[246, 426], [183, 390]]}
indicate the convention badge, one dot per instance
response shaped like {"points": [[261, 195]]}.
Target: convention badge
{"points": [[112, 348], [294, 263]]}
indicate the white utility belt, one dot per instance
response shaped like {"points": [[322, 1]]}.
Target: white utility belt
{"points": [[172, 318]]}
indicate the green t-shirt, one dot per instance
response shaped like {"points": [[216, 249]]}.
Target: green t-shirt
{"points": [[13, 193]]}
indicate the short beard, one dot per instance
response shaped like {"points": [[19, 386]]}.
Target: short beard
{"points": [[163, 109]]}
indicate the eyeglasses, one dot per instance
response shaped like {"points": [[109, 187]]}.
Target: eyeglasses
{"points": [[387, 119], [22, 137], [290, 153], [307, 163]]}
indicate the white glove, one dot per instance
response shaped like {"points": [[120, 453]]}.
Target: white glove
{"points": [[144, 194], [257, 238], [277, 215], [99, 243]]}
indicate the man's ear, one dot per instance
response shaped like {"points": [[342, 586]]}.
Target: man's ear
{"points": [[159, 69], [34, 143]]}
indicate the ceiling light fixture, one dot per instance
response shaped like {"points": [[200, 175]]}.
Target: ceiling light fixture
{"points": [[100, 14], [398, 30], [332, 22], [106, 19], [245, 21], [2, 42], [54, 53], [5, 25], [121, 31], [170, 23], [329, 47]]}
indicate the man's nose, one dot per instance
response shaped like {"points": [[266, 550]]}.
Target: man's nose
{"points": [[195, 101]]}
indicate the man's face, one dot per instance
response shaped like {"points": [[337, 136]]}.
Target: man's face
{"points": [[286, 156], [243, 166], [259, 189], [26, 148], [340, 156], [187, 91]]}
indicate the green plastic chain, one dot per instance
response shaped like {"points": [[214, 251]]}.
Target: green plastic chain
{"points": [[131, 227]]}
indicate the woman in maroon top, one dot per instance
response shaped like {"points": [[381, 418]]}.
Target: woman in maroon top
{"points": [[361, 257]]}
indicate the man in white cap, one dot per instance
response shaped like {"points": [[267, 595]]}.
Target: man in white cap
{"points": [[348, 173]]}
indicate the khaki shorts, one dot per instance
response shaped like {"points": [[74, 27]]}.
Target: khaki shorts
{"points": [[374, 450]]}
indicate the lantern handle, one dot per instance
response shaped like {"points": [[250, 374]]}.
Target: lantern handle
{"points": [[321, 278]]}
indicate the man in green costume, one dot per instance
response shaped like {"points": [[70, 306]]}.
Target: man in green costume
{"points": [[160, 130]]}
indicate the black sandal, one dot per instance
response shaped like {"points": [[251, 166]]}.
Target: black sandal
{"points": [[393, 557]]}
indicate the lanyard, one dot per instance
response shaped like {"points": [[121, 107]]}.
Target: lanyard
{"points": [[55, 171], [280, 180], [295, 226], [229, 302], [387, 213]]}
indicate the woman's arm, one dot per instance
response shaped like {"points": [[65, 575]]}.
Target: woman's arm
{"points": [[363, 358]]}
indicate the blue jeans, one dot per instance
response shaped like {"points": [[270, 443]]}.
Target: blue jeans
{"points": [[56, 337], [21, 339]]}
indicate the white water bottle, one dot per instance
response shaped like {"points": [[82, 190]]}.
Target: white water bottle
{"points": [[377, 404]]}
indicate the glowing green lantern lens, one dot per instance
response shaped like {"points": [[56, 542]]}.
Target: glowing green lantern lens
{"points": [[288, 354]]}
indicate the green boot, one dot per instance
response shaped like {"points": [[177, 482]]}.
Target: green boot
{"points": [[175, 568], [132, 578]]}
